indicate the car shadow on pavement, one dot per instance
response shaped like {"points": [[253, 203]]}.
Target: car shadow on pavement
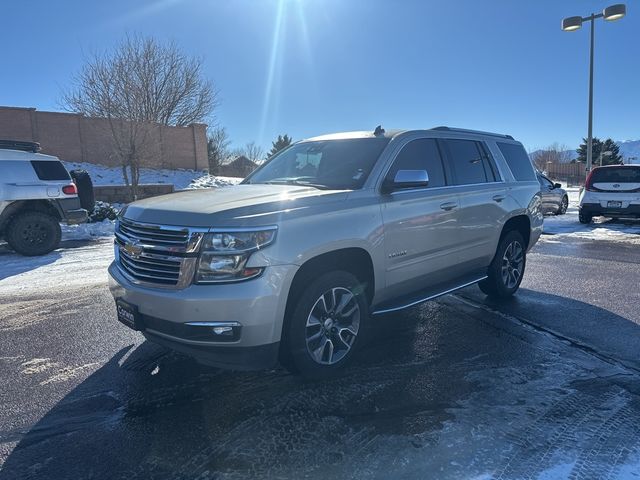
{"points": [[585, 325], [12, 264], [151, 413]]}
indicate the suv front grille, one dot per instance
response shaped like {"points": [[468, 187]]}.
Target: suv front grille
{"points": [[156, 255]]}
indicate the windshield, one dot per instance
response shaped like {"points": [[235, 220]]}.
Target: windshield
{"points": [[328, 164]]}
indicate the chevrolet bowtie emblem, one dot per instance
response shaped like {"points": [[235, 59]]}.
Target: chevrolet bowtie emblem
{"points": [[133, 248]]}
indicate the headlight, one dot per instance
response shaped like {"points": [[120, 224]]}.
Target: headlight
{"points": [[224, 254]]}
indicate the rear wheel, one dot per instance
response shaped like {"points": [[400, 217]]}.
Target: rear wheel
{"points": [[326, 325], [507, 268], [33, 233], [564, 204], [584, 218]]}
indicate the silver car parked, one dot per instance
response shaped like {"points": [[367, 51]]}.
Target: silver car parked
{"points": [[296, 262], [555, 199]]}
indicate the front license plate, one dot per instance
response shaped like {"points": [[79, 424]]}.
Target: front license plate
{"points": [[614, 204], [128, 314]]}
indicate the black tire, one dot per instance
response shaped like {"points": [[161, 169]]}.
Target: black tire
{"points": [[301, 327], [584, 218], [564, 204], [85, 189], [504, 277], [33, 233]]}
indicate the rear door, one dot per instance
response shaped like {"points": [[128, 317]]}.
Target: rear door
{"points": [[420, 224], [482, 196]]}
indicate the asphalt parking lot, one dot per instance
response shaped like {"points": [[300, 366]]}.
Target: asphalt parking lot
{"points": [[544, 386]]}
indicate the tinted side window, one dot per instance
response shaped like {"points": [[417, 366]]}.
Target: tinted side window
{"points": [[421, 154], [50, 170], [544, 181], [518, 161], [468, 162]]}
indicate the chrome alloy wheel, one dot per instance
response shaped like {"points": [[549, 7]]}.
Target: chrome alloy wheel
{"points": [[332, 326], [512, 264]]}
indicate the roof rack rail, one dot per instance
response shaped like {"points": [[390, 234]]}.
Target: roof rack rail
{"points": [[20, 145], [479, 132]]}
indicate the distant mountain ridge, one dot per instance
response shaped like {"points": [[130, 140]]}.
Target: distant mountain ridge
{"points": [[628, 149]]}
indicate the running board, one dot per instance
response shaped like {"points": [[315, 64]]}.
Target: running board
{"points": [[420, 297]]}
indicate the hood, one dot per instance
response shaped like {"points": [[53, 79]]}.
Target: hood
{"points": [[232, 206]]}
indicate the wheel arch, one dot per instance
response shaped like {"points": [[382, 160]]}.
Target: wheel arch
{"points": [[355, 260], [19, 206], [521, 224]]}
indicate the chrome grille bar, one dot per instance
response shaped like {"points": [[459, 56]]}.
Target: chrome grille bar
{"points": [[156, 255]]}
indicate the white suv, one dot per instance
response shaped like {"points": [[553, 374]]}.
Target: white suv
{"points": [[36, 194], [611, 191]]}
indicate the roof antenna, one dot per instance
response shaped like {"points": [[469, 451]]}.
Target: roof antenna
{"points": [[378, 131]]}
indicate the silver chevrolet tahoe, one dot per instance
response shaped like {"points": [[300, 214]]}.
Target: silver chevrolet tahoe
{"points": [[296, 262]]}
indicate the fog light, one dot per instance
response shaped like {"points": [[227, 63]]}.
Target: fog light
{"points": [[223, 330], [215, 331]]}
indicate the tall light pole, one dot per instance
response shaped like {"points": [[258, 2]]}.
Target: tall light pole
{"points": [[570, 24]]}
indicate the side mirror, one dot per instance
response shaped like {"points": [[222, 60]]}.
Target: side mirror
{"points": [[557, 185], [406, 179]]}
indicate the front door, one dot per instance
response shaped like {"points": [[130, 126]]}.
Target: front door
{"points": [[420, 224]]}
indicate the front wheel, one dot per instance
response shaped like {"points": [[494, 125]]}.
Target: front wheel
{"points": [[564, 204], [507, 268], [326, 324]]}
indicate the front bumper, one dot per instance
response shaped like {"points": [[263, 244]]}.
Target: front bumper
{"points": [[595, 209], [258, 305]]}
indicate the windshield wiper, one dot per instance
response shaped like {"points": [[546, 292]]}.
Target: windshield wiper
{"points": [[301, 183]]}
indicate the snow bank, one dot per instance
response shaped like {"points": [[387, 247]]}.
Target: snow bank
{"points": [[211, 181], [181, 179], [88, 231]]}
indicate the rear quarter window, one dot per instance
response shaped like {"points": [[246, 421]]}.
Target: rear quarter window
{"points": [[518, 161], [50, 170]]}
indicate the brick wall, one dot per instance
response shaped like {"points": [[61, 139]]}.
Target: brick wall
{"points": [[120, 193], [76, 138]]}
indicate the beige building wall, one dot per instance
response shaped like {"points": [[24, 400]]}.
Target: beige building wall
{"points": [[76, 138]]}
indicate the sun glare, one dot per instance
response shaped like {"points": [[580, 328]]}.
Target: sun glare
{"points": [[276, 57]]}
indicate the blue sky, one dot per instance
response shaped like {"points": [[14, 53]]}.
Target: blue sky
{"points": [[306, 67]]}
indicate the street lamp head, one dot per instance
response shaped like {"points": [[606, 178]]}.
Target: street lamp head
{"points": [[570, 24], [614, 12]]}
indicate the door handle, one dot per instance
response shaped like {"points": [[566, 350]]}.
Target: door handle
{"points": [[448, 205], [498, 198]]}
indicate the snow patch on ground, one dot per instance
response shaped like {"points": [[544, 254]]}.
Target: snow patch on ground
{"points": [[88, 231], [600, 228], [181, 178], [85, 264]]}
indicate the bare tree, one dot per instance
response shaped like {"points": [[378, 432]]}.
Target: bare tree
{"points": [[554, 153], [253, 152], [139, 86], [217, 148]]}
